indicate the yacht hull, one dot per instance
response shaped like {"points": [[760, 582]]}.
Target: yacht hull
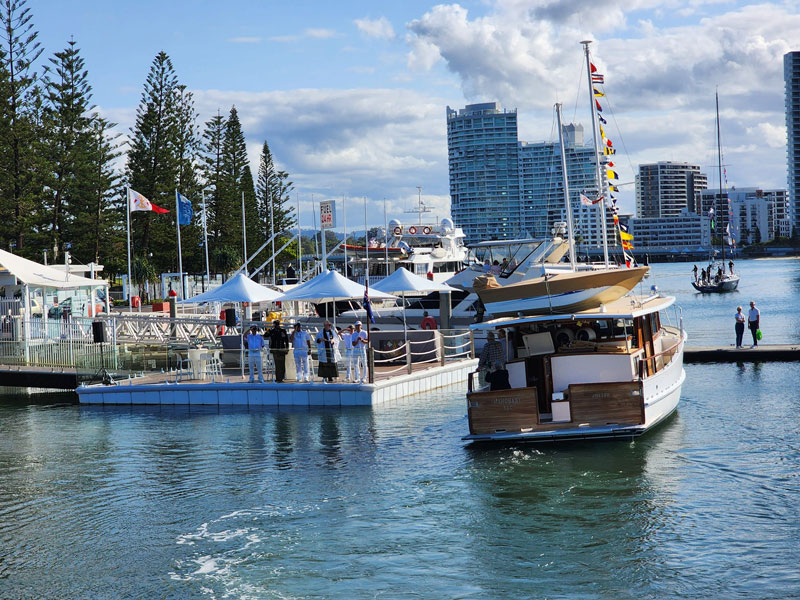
{"points": [[562, 292], [727, 285]]}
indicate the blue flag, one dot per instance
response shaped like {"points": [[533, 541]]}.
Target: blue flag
{"points": [[184, 209], [368, 306]]}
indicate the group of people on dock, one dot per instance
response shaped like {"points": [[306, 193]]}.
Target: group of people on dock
{"points": [[277, 341], [753, 319], [707, 276]]}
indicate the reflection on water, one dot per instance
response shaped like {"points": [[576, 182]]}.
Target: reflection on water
{"points": [[209, 503]]}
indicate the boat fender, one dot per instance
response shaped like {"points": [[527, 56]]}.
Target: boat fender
{"points": [[398, 230], [412, 230], [586, 334], [564, 337], [426, 230]]}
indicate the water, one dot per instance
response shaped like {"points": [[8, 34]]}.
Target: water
{"points": [[390, 503]]}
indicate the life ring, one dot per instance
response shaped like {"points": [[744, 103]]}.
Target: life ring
{"points": [[426, 230], [412, 230], [397, 230]]}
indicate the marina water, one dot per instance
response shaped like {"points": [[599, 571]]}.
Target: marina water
{"points": [[388, 502]]}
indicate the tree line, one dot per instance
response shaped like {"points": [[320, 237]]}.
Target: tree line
{"points": [[64, 171]]}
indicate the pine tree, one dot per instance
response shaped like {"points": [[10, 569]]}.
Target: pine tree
{"points": [[153, 163], [273, 194], [67, 151], [19, 93], [237, 180], [212, 173], [187, 148]]}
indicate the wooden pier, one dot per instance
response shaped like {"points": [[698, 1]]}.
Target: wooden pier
{"points": [[761, 353]]}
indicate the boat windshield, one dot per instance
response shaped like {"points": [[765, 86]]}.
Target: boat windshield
{"points": [[508, 255]]}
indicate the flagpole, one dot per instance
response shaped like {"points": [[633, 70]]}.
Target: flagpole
{"points": [[344, 213], [244, 237], [205, 238], [324, 243], [366, 275], [272, 233], [180, 256], [314, 218], [299, 243], [385, 237], [128, 215], [600, 179]]}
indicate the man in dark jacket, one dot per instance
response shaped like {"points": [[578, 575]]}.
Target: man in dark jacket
{"points": [[498, 379], [278, 346]]}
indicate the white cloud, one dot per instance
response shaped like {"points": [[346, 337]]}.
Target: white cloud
{"points": [[379, 28], [357, 142], [244, 40], [320, 33]]}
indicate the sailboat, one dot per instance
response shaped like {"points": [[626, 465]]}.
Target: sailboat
{"points": [[573, 290], [723, 280]]}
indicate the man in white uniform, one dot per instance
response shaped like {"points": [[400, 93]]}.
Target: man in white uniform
{"points": [[301, 340], [359, 341], [255, 343], [347, 340]]}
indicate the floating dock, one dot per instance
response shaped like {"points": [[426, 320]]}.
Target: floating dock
{"points": [[761, 353], [157, 389]]}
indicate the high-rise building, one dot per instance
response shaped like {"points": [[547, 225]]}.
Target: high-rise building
{"points": [[755, 214], [501, 188], [542, 187], [484, 175], [791, 75], [665, 189]]}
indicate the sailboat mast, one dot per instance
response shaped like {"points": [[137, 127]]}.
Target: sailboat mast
{"points": [[719, 166], [601, 206], [567, 201]]}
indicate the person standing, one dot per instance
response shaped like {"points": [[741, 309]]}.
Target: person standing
{"points": [[279, 347], [739, 326], [753, 320], [325, 350], [302, 352], [695, 272], [428, 322], [491, 353], [730, 266], [347, 340], [498, 378], [359, 341], [255, 343]]}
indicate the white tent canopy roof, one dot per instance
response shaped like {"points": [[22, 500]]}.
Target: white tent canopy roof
{"points": [[31, 273], [403, 280], [331, 286], [238, 288]]}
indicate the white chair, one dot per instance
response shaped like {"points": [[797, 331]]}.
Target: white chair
{"points": [[214, 364], [183, 366]]}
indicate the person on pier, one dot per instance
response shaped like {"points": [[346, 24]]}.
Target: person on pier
{"points": [[255, 343], [325, 353], [753, 322], [359, 341], [279, 347], [739, 326], [301, 341], [347, 339]]}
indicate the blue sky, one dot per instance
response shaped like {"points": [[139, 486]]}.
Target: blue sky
{"points": [[351, 96]]}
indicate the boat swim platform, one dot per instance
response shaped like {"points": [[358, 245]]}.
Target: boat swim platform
{"points": [[731, 354], [161, 389]]}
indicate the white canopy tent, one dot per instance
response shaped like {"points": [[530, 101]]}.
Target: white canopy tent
{"points": [[404, 281], [331, 286], [16, 271], [238, 288]]}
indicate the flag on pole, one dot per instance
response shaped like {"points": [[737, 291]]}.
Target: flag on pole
{"points": [[137, 202], [711, 216], [598, 78], [597, 93], [585, 200], [184, 209]]}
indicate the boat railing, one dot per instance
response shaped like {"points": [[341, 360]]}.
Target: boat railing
{"points": [[659, 360]]}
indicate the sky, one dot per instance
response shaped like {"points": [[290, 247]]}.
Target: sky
{"points": [[351, 95]]}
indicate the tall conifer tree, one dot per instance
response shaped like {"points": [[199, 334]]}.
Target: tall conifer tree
{"points": [[273, 194], [212, 174], [19, 101], [153, 162]]}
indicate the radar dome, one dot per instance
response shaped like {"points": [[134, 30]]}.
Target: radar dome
{"points": [[447, 224]]}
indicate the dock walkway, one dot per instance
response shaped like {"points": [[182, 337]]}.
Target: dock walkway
{"points": [[761, 353]]}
